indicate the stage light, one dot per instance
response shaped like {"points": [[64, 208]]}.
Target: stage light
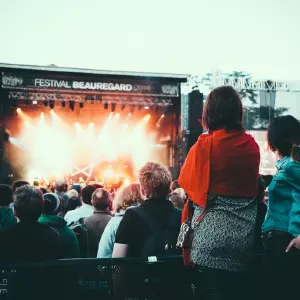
{"points": [[51, 104], [123, 106], [63, 103], [45, 103], [81, 104], [105, 105], [113, 107], [19, 110], [72, 105], [51, 112], [34, 102], [146, 107]]}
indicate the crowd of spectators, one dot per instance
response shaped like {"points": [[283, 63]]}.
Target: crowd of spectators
{"points": [[219, 197]]}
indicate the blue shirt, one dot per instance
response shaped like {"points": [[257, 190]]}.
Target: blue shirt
{"points": [[107, 241], [283, 212]]}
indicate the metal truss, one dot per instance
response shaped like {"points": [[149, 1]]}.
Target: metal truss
{"points": [[87, 171], [131, 100], [243, 82]]}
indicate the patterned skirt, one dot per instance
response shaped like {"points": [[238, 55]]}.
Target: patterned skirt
{"points": [[224, 239]]}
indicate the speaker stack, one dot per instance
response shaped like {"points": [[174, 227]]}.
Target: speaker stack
{"points": [[194, 128]]}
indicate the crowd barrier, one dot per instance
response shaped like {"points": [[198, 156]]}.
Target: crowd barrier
{"points": [[101, 279]]}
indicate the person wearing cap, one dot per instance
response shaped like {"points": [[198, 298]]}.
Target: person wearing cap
{"points": [[95, 224], [7, 218], [49, 217]]}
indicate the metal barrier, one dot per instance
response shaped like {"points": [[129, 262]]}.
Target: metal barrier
{"points": [[101, 279]]}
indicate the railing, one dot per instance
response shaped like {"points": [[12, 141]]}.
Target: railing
{"points": [[103, 279]]}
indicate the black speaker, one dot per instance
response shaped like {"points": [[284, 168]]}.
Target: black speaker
{"points": [[195, 109]]}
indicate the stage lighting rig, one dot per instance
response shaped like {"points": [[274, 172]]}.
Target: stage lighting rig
{"points": [[45, 103], [123, 106], [63, 103], [105, 105], [99, 98], [51, 104], [81, 104], [113, 107], [72, 105], [132, 108]]}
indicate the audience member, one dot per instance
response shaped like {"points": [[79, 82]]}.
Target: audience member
{"points": [[73, 200], [96, 223], [125, 198], [223, 194], [152, 228], [174, 185], [43, 190], [18, 184], [180, 192], [282, 222], [85, 210], [60, 190], [49, 217], [77, 188], [177, 201], [7, 218], [29, 240]]}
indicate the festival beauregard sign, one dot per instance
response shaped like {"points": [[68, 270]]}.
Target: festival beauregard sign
{"points": [[13, 81]]}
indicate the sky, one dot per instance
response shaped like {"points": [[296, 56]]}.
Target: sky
{"points": [[189, 37]]}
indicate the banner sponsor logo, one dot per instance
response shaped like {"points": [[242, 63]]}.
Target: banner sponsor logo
{"points": [[13, 81]]}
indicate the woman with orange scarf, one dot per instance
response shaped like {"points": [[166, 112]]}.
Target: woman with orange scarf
{"points": [[220, 176]]}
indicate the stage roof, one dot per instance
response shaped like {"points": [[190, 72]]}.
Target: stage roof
{"points": [[79, 71]]}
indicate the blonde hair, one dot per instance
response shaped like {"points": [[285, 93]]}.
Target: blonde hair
{"points": [[127, 196], [155, 180], [72, 194]]}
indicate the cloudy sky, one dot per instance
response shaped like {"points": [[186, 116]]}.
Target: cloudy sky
{"points": [[191, 36]]}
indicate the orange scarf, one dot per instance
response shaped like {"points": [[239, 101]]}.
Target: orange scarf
{"points": [[195, 174]]}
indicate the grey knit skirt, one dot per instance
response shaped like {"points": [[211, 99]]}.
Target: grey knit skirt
{"points": [[224, 239]]}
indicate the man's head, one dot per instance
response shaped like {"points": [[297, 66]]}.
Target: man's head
{"points": [[174, 185], [86, 194], [18, 184], [52, 204], [6, 197], [60, 186], [101, 199], [155, 180], [177, 201], [28, 203]]}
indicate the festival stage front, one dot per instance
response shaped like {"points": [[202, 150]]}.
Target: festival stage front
{"points": [[87, 125]]}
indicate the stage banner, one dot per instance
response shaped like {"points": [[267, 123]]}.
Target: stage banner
{"points": [[17, 81]]}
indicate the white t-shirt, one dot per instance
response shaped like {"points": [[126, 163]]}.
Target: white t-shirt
{"points": [[81, 212]]}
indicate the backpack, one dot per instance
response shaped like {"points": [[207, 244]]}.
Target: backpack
{"points": [[161, 241], [82, 237]]}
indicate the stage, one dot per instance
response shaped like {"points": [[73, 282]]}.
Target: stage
{"points": [[87, 125]]}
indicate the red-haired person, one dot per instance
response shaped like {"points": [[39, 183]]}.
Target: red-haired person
{"points": [[220, 176]]}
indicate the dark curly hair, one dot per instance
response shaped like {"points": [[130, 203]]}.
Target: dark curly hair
{"points": [[283, 134], [223, 109]]}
